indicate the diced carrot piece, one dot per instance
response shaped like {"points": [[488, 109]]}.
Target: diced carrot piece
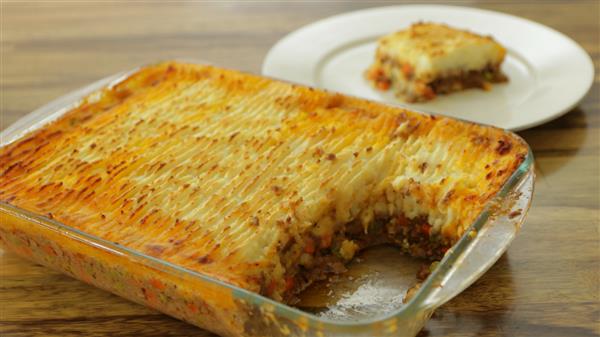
{"points": [[150, 296], [289, 283], [407, 69], [425, 228], [271, 288], [326, 240], [374, 73], [310, 246], [383, 85], [428, 93], [192, 307], [402, 221], [157, 284]]}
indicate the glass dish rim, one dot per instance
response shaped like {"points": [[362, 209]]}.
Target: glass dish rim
{"points": [[417, 302]]}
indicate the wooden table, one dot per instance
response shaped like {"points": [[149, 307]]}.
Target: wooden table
{"points": [[546, 285]]}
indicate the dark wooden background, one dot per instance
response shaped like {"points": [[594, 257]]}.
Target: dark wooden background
{"points": [[546, 285]]}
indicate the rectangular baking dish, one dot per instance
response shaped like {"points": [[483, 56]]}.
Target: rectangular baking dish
{"points": [[229, 310]]}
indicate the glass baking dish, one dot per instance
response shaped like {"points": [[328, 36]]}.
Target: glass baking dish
{"points": [[231, 311]]}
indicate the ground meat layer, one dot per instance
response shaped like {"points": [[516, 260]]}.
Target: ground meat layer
{"points": [[472, 79], [323, 257]]}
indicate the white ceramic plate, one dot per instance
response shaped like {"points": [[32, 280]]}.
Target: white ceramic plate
{"points": [[549, 73]]}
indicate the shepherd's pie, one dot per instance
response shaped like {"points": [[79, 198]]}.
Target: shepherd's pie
{"points": [[259, 183], [428, 59]]}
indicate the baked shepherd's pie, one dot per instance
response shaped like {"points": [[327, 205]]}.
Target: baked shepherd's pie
{"points": [[429, 59], [259, 183]]}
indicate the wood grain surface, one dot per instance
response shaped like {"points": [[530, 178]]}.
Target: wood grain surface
{"points": [[547, 284]]}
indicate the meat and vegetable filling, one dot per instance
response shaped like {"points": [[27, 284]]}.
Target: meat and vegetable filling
{"points": [[400, 78], [319, 257]]}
